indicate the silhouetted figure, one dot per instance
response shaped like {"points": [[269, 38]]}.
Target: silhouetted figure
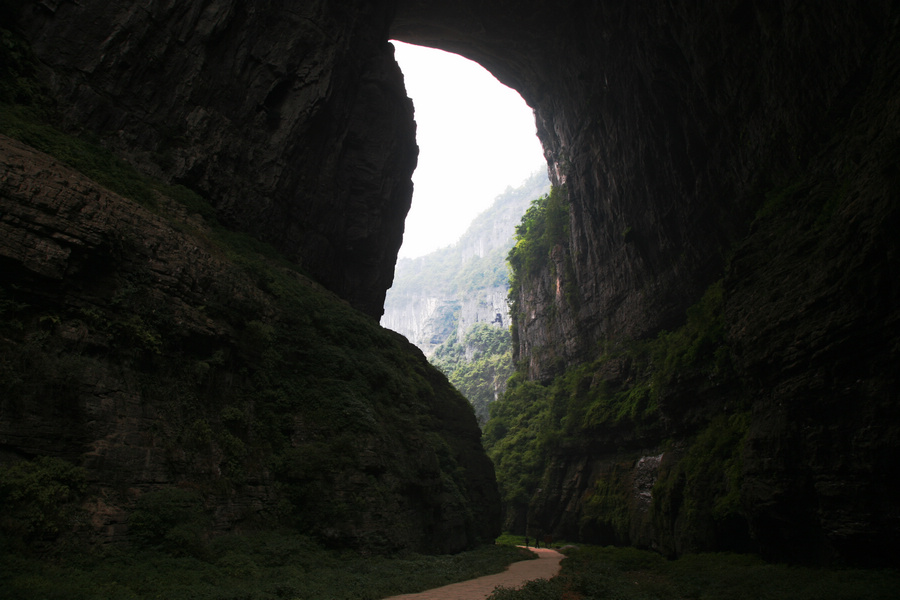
{"points": [[526, 541], [548, 541]]}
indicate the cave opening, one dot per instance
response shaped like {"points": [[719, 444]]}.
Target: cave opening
{"points": [[476, 137]]}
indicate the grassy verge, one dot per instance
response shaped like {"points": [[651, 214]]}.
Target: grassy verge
{"points": [[628, 574], [249, 567], [509, 539]]}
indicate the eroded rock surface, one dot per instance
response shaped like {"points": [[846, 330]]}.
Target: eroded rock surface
{"points": [[722, 140], [138, 347], [291, 119]]}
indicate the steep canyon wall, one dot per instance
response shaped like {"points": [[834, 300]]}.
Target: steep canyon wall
{"points": [[750, 144], [159, 353], [747, 143], [291, 119], [171, 356]]}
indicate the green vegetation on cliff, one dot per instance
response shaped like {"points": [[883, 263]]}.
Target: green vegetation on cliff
{"points": [[463, 336], [39, 498], [631, 395], [462, 267], [482, 376], [544, 226], [443, 272]]}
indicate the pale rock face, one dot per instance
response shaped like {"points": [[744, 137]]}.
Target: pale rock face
{"points": [[423, 319], [430, 299], [419, 319], [646, 470], [488, 305]]}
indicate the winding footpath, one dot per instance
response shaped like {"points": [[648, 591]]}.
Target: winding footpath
{"points": [[516, 575]]}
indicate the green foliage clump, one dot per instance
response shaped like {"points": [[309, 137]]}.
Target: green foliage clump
{"points": [[606, 505], [170, 519], [697, 346], [479, 366], [516, 438], [533, 420], [486, 340], [39, 497], [544, 226], [703, 487]]}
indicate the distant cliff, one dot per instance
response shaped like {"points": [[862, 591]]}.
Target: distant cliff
{"points": [[447, 291], [453, 303]]}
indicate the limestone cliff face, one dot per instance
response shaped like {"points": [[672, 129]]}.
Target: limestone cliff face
{"points": [[456, 287], [666, 124], [292, 120], [730, 140], [429, 319], [149, 349]]}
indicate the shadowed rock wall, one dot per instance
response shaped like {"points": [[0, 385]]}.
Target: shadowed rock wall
{"points": [[291, 118], [696, 141], [137, 347], [666, 123], [140, 344]]}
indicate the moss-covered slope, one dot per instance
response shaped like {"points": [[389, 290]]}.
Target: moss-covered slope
{"points": [[180, 364]]}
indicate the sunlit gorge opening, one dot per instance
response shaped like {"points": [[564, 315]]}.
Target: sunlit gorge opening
{"points": [[476, 137]]}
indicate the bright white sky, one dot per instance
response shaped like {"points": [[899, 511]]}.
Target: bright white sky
{"points": [[476, 137]]}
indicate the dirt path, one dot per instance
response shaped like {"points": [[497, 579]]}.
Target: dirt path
{"points": [[545, 567]]}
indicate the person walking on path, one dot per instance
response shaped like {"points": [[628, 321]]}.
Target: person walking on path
{"points": [[515, 576]]}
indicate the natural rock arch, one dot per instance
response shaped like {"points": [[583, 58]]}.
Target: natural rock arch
{"points": [[664, 122], [679, 130]]}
